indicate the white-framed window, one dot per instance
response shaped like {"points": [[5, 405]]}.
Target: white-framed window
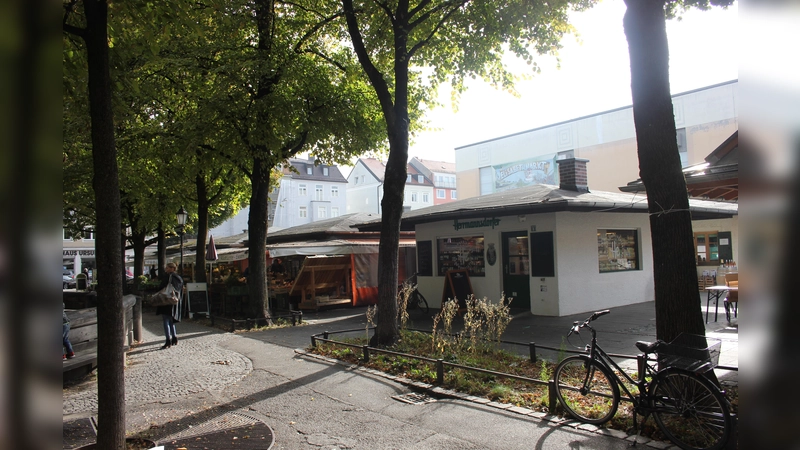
{"points": [[309, 170], [325, 171], [408, 178], [303, 212], [420, 179], [440, 193], [334, 191], [321, 212], [414, 197], [438, 179], [425, 198], [487, 180], [453, 195], [302, 190], [318, 192], [680, 134], [334, 211]]}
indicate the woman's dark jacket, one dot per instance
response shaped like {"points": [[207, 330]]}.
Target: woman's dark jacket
{"points": [[177, 283]]}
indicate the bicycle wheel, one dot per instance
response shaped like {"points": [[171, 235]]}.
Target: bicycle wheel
{"points": [[422, 304], [586, 389], [690, 410]]}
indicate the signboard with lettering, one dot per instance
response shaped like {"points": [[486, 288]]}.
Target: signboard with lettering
{"points": [[79, 252], [525, 173]]}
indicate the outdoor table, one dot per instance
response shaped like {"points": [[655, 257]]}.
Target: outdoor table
{"points": [[715, 293]]}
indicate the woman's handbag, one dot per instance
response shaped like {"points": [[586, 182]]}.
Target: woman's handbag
{"points": [[165, 297]]}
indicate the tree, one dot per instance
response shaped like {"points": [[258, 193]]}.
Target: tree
{"points": [[284, 87], [451, 39], [111, 378], [674, 264]]}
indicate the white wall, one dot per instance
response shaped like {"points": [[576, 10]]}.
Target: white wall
{"points": [[363, 197], [233, 226], [420, 191], [578, 285], [581, 286]]}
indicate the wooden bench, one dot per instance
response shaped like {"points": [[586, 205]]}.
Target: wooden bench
{"points": [[83, 337]]}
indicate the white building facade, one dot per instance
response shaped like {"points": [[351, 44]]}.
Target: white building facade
{"points": [[703, 118], [365, 187]]}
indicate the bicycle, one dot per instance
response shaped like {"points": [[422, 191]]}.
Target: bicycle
{"points": [[415, 297], [688, 408]]}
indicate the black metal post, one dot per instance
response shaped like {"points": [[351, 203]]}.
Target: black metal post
{"points": [[180, 273]]}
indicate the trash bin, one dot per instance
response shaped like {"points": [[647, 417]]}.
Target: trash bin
{"points": [[81, 283]]}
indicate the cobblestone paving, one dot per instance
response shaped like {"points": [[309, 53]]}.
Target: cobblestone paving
{"points": [[196, 364]]}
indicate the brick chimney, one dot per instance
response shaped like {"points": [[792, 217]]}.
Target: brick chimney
{"points": [[572, 174]]}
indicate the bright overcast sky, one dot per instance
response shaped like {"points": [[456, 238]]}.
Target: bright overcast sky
{"points": [[594, 77]]}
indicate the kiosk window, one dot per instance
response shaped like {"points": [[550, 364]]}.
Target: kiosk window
{"points": [[463, 252], [617, 250]]}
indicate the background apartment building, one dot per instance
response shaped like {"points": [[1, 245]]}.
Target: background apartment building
{"points": [[443, 176], [704, 118], [365, 187]]}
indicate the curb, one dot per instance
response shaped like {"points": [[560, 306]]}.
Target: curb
{"points": [[550, 419]]}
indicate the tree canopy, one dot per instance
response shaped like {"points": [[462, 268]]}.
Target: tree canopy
{"points": [[406, 49]]}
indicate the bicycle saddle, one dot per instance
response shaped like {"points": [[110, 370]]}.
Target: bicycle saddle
{"points": [[648, 347]]}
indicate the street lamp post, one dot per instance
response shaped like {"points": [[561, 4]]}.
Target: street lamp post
{"points": [[181, 216]]}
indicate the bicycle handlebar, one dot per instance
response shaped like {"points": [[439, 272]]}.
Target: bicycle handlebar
{"points": [[576, 326]]}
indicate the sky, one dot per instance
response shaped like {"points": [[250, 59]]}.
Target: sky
{"points": [[594, 77]]}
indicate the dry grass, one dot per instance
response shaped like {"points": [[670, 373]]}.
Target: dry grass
{"points": [[485, 322]]}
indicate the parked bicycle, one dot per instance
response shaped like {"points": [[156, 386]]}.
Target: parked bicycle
{"points": [[691, 411], [415, 298]]}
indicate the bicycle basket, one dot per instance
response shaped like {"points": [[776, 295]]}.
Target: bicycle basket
{"points": [[690, 352]]}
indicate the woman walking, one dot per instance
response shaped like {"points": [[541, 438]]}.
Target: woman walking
{"points": [[171, 314]]}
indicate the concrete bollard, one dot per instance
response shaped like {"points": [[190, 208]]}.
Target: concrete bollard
{"points": [[137, 319]]}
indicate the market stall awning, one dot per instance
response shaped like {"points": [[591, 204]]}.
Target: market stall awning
{"points": [[223, 255], [330, 247]]}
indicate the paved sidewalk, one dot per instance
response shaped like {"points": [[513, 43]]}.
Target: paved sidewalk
{"points": [[215, 383]]}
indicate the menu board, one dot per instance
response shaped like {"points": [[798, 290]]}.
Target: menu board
{"points": [[425, 258]]}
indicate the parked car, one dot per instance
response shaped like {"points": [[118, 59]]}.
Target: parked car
{"points": [[68, 282]]}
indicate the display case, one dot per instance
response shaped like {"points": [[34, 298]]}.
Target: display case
{"points": [[463, 252]]}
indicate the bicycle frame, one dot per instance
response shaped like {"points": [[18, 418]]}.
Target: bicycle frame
{"points": [[596, 353]]}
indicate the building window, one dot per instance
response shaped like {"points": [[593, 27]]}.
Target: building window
{"points": [[680, 134], [414, 197], [321, 212], [440, 193], [420, 179], [334, 191], [408, 178], [318, 192], [438, 179], [486, 180], [463, 252], [301, 190], [617, 250], [706, 245], [425, 197], [309, 170], [303, 212], [453, 194], [334, 212], [325, 171], [87, 233]]}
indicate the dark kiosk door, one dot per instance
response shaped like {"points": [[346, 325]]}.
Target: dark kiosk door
{"points": [[516, 269]]}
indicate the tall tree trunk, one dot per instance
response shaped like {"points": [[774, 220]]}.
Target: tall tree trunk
{"points": [[138, 242], [202, 229], [257, 229], [387, 329], [110, 358], [674, 270], [161, 248]]}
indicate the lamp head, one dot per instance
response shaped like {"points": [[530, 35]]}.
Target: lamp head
{"points": [[182, 215]]}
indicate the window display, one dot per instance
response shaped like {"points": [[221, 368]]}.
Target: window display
{"points": [[617, 250], [464, 252]]}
